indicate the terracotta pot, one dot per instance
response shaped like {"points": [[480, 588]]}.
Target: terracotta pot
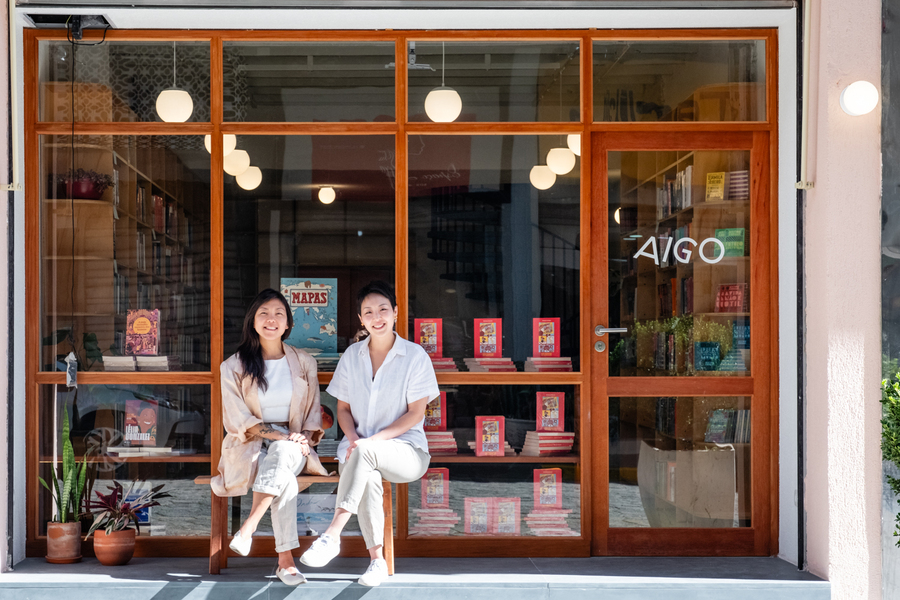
{"points": [[84, 189], [63, 543], [114, 549]]}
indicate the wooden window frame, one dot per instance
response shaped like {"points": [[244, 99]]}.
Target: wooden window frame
{"points": [[765, 495]]}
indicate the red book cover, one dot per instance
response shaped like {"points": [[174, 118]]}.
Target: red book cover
{"points": [[488, 338], [436, 414], [142, 332], [478, 513], [546, 336], [140, 422], [428, 334], [550, 411], [732, 297], [436, 488], [506, 516], [547, 489], [489, 436]]}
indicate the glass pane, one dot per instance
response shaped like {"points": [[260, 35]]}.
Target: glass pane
{"points": [[121, 81], [497, 81], [485, 243], [311, 81], [512, 497], [679, 270], [679, 462], [125, 235], [153, 433], [680, 80], [282, 233]]}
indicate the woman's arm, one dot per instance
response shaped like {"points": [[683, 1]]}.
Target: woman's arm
{"points": [[266, 431], [345, 420]]}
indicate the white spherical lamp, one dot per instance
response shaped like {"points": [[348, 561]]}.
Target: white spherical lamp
{"points": [[443, 104], [237, 162], [573, 141], [859, 98], [561, 160], [542, 177], [326, 195], [250, 179], [229, 143], [174, 105]]}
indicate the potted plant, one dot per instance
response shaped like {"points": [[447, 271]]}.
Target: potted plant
{"points": [[113, 513], [64, 530], [84, 183]]}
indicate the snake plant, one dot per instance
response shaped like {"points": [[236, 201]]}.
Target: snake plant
{"points": [[74, 479]]}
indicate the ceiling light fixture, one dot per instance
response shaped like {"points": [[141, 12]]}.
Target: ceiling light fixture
{"points": [[542, 177], [250, 179], [573, 141], [443, 104], [326, 195], [236, 162], [229, 143], [174, 105]]}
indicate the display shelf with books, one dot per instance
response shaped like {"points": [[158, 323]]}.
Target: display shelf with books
{"points": [[147, 232]]}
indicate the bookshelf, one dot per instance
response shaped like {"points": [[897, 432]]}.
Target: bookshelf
{"points": [[141, 244]]}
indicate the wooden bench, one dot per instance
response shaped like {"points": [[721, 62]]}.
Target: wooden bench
{"points": [[218, 532]]}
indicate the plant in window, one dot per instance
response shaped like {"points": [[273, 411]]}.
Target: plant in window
{"points": [[890, 434], [92, 351], [84, 183]]}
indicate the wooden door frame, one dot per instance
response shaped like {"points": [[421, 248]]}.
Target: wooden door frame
{"points": [[761, 386]]}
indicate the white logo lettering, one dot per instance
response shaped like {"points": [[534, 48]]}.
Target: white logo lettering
{"points": [[652, 242], [680, 250]]}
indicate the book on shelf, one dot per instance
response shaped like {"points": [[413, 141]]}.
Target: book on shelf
{"points": [[142, 332], [314, 308], [545, 337], [728, 426], [550, 411], [545, 443], [140, 423], [489, 365], [478, 515], [119, 363], [732, 298], [488, 338], [489, 435], [434, 521], [436, 488], [444, 364], [171, 362], [441, 443], [717, 186], [428, 333], [706, 356], [732, 239], [507, 449], [506, 512], [739, 186], [436, 413], [547, 489], [539, 364]]}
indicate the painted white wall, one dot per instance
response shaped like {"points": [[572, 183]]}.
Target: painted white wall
{"points": [[783, 19], [843, 318]]}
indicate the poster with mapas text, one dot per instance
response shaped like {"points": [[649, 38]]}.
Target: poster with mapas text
{"points": [[314, 307]]}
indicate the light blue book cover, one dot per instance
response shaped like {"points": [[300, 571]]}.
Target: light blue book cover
{"points": [[314, 307]]}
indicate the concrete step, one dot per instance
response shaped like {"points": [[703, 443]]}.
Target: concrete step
{"points": [[431, 578]]}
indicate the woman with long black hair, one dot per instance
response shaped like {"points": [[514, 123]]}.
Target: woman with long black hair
{"points": [[383, 384], [272, 416]]}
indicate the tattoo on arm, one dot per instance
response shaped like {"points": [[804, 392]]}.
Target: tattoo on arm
{"points": [[263, 429]]}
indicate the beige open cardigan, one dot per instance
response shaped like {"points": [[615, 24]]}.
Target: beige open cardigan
{"points": [[240, 404]]}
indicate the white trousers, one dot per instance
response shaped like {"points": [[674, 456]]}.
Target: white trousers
{"points": [[360, 490], [279, 464]]}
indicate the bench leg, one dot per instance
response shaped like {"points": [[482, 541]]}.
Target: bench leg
{"points": [[388, 528], [218, 518]]}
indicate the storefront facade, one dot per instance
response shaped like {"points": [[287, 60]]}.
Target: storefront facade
{"points": [[677, 223]]}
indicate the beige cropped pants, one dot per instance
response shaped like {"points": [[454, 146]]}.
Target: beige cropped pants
{"points": [[279, 464], [360, 490]]}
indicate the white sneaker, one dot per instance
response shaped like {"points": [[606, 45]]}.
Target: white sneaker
{"points": [[241, 545], [321, 552], [295, 578], [376, 574]]}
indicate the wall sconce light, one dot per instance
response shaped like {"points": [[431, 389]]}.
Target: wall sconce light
{"points": [[617, 217], [229, 143], [174, 105], [542, 177], [236, 162], [250, 179], [443, 104], [326, 195], [859, 98]]}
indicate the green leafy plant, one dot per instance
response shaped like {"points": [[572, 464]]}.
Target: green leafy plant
{"points": [[75, 488], [710, 331], [890, 434], [92, 351], [101, 181], [115, 512]]}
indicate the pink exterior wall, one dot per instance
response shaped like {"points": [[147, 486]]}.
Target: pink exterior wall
{"points": [[843, 319], [5, 475]]}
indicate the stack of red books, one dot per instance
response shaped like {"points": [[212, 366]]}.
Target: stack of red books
{"points": [[540, 364], [507, 449], [549, 522], [441, 442], [434, 521], [548, 443], [443, 365], [490, 365]]}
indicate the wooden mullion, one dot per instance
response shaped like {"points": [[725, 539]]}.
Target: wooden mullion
{"points": [[130, 377], [646, 141], [495, 128], [401, 191], [629, 387], [301, 128], [683, 541], [217, 250], [123, 128], [517, 378], [681, 127]]}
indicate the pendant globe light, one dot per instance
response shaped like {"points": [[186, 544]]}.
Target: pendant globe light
{"points": [[326, 195], [443, 104], [573, 141], [542, 177], [236, 162], [250, 179], [229, 143], [174, 105], [560, 160]]}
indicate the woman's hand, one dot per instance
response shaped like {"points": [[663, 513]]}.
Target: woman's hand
{"points": [[353, 445], [299, 438]]}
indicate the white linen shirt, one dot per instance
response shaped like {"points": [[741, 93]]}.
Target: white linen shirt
{"points": [[405, 376]]}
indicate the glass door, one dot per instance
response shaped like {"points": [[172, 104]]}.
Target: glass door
{"points": [[681, 343]]}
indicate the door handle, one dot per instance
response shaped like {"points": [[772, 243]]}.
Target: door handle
{"points": [[600, 330]]}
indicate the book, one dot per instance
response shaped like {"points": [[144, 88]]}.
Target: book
{"points": [[547, 489], [550, 411], [488, 338], [314, 308], [436, 413], [506, 513], [732, 298], [717, 426], [140, 422], [733, 240], [428, 334], [142, 332], [739, 186], [716, 186], [436, 488], [478, 513], [546, 336], [489, 435], [706, 356], [545, 443]]}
